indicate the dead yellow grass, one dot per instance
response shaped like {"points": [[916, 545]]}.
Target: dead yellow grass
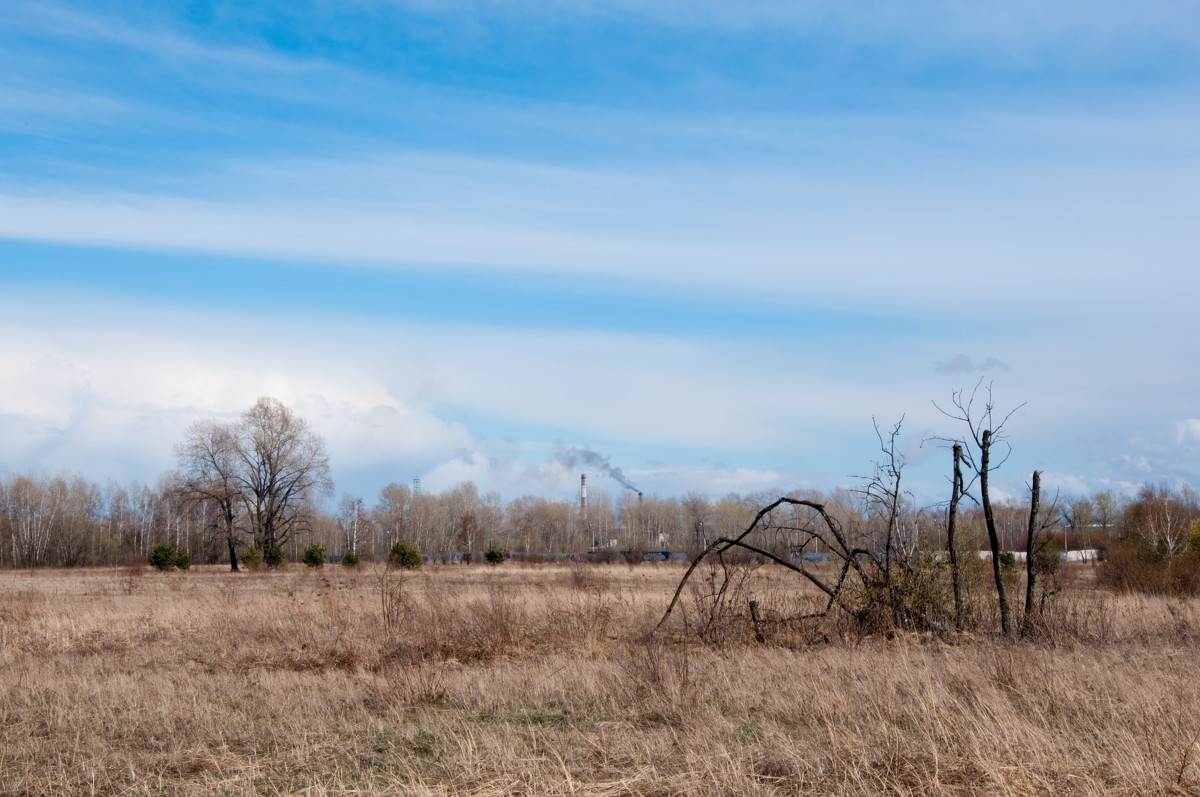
{"points": [[542, 681]]}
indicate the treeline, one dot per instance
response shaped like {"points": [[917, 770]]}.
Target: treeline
{"points": [[68, 521], [255, 484]]}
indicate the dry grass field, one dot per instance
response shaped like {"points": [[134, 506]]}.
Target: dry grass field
{"points": [[542, 680]]}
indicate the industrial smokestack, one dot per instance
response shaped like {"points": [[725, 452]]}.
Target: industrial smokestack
{"points": [[639, 496], [583, 491]]}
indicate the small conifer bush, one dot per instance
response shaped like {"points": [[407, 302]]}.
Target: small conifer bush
{"points": [[274, 558], [163, 556], [314, 555], [251, 558], [404, 556]]}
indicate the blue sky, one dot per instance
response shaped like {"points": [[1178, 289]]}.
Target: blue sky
{"points": [[707, 241]]}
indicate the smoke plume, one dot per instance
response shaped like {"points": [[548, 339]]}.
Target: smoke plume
{"points": [[576, 456]]}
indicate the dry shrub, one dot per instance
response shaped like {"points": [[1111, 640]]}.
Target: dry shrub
{"points": [[658, 678], [720, 592], [132, 573], [1074, 618], [581, 618], [417, 684], [586, 577], [439, 625]]}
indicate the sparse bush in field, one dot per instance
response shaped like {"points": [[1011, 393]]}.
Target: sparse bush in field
{"points": [[163, 556], [494, 555], [405, 556], [1133, 564], [1008, 561], [251, 558], [442, 625], [350, 559], [1046, 561], [1160, 551], [585, 576], [314, 555], [718, 594], [274, 558], [135, 568]]}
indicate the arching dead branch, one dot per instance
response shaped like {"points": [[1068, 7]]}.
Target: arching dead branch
{"points": [[823, 528]]}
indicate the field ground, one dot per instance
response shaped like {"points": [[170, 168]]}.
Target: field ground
{"points": [[542, 680]]}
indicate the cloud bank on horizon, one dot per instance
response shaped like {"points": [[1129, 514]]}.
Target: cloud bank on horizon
{"points": [[702, 244]]}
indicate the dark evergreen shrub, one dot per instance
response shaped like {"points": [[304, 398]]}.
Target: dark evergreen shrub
{"points": [[251, 558], [274, 558], [163, 556], [404, 556], [314, 555]]}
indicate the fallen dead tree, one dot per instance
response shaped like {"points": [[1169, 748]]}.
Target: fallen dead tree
{"points": [[862, 584]]}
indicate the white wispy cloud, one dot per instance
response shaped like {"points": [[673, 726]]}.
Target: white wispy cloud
{"points": [[106, 386], [377, 393], [1067, 484], [1188, 430], [927, 248]]}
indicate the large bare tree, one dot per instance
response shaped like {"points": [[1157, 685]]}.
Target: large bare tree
{"points": [[267, 467], [209, 463], [283, 468]]}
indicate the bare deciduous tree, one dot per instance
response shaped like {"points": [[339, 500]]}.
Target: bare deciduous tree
{"points": [[1162, 517], [984, 434], [284, 466], [269, 466], [209, 462], [32, 509], [885, 500], [352, 520]]}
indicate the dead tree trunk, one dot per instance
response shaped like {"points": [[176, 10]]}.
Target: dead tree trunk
{"points": [[993, 538], [757, 620], [985, 433], [1030, 545], [960, 618]]}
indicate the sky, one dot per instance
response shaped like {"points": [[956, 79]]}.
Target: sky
{"points": [[700, 246]]}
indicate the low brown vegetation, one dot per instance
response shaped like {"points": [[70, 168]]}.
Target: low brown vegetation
{"points": [[545, 680]]}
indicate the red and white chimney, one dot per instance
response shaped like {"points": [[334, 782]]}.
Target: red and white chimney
{"points": [[583, 491]]}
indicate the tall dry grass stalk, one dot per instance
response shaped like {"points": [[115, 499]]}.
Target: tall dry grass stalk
{"points": [[544, 680]]}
